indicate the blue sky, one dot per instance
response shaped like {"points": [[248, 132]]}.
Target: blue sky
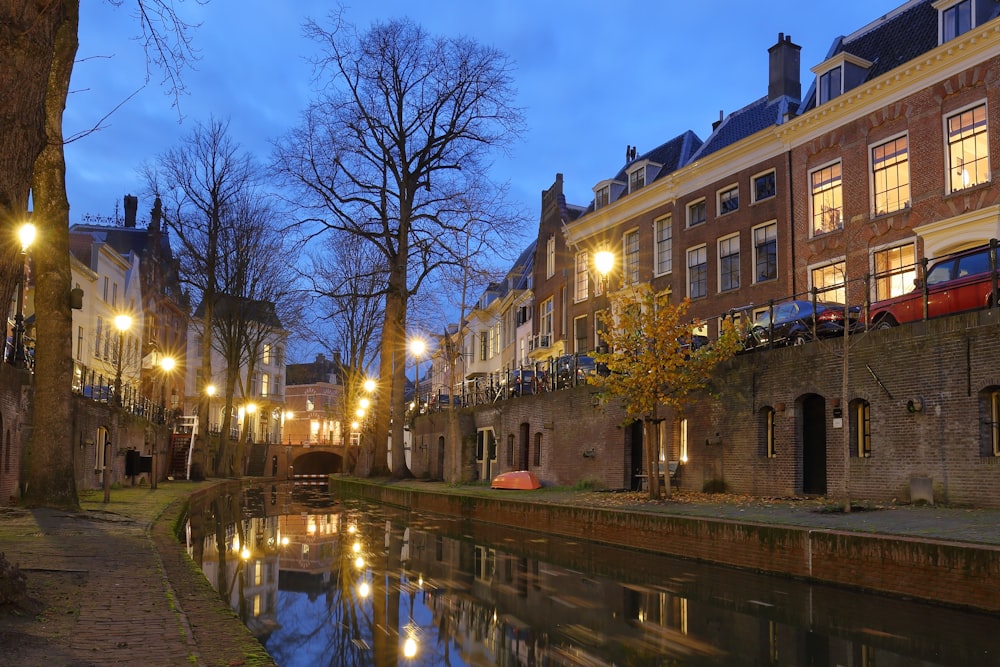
{"points": [[592, 77]]}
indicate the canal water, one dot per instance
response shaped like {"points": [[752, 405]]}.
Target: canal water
{"points": [[321, 581]]}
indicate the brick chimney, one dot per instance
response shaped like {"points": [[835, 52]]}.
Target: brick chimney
{"points": [[783, 72], [131, 207]]}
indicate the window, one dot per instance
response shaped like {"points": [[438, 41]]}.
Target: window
{"points": [[989, 400], [265, 384], [696, 213], [114, 295], [956, 20], [582, 276], [729, 263], [630, 242], [97, 340], [765, 252], [767, 448], [79, 343], [827, 199], [830, 85], [484, 345], [102, 443], [664, 230], [105, 289], [729, 200], [266, 356], [697, 272], [550, 257], [763, 186], [684, 441], [545, 317], [861, 429], [580, 334], [891, 175], [829, 282], [968, 150], [637, 179], [602, 197], [895, 270]]}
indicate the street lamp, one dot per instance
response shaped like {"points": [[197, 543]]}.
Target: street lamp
{"points": [[604, 262], [122, 323], [417, 348], [26, 234]]}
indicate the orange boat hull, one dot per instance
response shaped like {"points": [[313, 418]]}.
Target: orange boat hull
{"points": [[519, 479]]}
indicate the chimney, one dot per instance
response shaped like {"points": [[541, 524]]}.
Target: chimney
{"points": [[156, 214], [717, 123], [131, 207], [783, 70]]}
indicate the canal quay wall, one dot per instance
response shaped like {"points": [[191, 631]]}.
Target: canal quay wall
{"points": [[940, 571]]}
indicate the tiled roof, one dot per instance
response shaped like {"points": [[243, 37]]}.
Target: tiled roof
{"points": [[749, 120], [888, 42]]}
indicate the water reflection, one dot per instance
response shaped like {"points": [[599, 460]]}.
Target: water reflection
{"points": [[324, 582]]}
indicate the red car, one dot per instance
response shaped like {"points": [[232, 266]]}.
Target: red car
{"points": [[955, 283]]}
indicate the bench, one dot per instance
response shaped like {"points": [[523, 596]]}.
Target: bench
{"points": [[671, 467]]}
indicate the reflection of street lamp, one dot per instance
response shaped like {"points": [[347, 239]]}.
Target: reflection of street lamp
{"points": [[26, 234], [122, 323], [417, 348]]}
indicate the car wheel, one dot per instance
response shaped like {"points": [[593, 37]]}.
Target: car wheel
{"points": [[798, 339], [885, 323]]}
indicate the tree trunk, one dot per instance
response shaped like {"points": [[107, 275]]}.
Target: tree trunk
{"points": [[651, 448], [48, 471]]}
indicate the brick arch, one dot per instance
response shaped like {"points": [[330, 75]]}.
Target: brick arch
{"points": [[317, 463]]}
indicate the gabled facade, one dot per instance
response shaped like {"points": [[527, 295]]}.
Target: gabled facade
{"points": [[314, 403]]}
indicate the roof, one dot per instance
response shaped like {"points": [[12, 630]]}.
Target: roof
{"points": [[753, 118], [250, 310], [314, 372]]}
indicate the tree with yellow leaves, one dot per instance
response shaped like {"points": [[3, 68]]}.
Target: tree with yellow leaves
{"points": [[653, 360]]}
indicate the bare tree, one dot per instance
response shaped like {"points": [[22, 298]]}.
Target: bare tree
{"points": [[399, 132], [38, 44], [202, 182]]}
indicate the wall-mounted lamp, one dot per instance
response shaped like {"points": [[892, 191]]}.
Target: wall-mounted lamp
{"points": [[589, 453], [835, 402], [915, 405]]}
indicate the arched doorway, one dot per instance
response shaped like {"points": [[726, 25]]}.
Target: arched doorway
{"points": [[813, 430]]}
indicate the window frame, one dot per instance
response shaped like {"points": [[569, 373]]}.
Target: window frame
{"points": [[700, 203], [550, 257], [950, 12], [703, 248], [892, 274], [581, 282], [664, 256], [819, 193], [983, 136], [602, 196], [756, 251], [727, 199], [835, 295], [754, 198], [724, 260], [630, 256], [637, 179], [826, 92], [874, 171]]}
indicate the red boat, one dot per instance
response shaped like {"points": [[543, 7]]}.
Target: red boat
{"points": [[517, 479]]}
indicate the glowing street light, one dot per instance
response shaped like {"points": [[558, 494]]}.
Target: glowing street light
{"points": [[417, 349], [604, 261], [26, 235]]}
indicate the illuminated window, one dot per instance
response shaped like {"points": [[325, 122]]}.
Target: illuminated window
{"points": [[891, 175], [827, 199], [968, 149], [895, 270], [829, 282]]}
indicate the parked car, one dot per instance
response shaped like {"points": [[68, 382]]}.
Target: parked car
{"points": [[440, 401], [573, 369], [521, 381], [955, 283], [793, 323]]}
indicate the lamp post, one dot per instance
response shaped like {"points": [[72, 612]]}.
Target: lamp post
{"points": [[122, 323], [604, 261], [26, 234], [417, 348]]}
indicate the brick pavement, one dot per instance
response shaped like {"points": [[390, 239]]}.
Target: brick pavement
{"points": [[117, 588]]}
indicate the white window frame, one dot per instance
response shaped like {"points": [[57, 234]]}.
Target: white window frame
{"points": [[756, 247], [703, 248], [718, 246], [728, 190], [630, 257], [581, 284], [903, 191], [838, 295], [637, 179], [753, 185], [546, 313], [687, 212], [824, 95], [900, 282], [946, 6], [814, 193], [952, 169], [550, 257], [664, 256], [602, 196]]}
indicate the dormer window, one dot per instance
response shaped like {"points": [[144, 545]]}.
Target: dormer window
{"points": [[955, 18], [602, 197], [637, 179], [838, 75]]}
